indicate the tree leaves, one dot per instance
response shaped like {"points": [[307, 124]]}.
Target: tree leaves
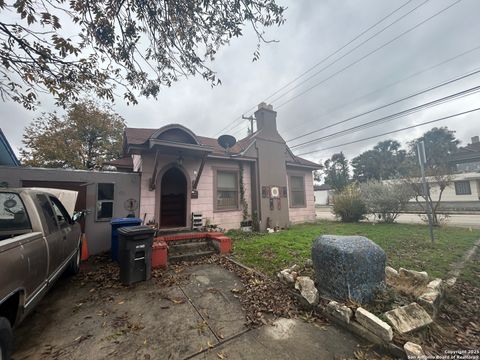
{"points": [[336, 172], [385, 161], [136, 46], [84, 138]]}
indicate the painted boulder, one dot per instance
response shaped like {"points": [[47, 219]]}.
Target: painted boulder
{"points": [[348, 267]]}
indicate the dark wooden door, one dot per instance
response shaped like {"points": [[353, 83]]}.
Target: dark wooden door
{"points": [[173, 202]]}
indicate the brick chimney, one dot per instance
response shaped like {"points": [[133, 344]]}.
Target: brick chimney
{"points": [[266, 119]]}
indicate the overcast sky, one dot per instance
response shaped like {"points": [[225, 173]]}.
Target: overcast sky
{"points": [[314, 30]]}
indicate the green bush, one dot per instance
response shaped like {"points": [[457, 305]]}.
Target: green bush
{"points": [[386, 200], [348, 205]]}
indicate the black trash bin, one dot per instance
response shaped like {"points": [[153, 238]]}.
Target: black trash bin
{"points": [[135, 253]]}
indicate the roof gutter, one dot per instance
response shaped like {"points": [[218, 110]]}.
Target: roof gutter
{"points": [[304, 166]]}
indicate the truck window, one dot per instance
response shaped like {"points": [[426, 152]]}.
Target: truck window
{"points": [[61, 214], [48, 213], [13, 216]]}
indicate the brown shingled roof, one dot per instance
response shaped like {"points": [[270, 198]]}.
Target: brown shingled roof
{"points": [[306, 162], [138, 136], [218, 150]]}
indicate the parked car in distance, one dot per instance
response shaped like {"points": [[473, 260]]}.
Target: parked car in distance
{"points": [[39, 240]]}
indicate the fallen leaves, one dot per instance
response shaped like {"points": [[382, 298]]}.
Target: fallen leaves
{"points": [[456, 326]]}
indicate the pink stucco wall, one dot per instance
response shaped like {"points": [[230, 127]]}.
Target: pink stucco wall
{"points": [[205, 202], [305, 214], [147, 197]]}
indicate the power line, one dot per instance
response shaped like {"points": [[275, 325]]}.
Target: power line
{"points": [[352, 50], [323, 60], [434, 87], [333, 110], [391, 117], [348, 43], [238, 132], [368, 54], [391, 132]]}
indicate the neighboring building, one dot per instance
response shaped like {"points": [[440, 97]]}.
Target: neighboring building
{"points": [[467, 159], [183, 173], [463, 194], [7, 156], [323, 195], [104, 195]]}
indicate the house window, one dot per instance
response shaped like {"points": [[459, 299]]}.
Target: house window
{"points": [[297, 191], [462, 188], [105, 201], [227, 190]]}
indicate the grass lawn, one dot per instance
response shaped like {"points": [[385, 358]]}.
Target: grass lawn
{"points": [[406, 245], [471, 272]]}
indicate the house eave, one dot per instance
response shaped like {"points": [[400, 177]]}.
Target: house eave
{"points": [[178, 146], [232, 157], [303, 166]]}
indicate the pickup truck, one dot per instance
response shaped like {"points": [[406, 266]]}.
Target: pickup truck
{"points": [[39, 240]]}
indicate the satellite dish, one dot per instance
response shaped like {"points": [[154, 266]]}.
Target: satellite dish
{"points": [[226, 141]]}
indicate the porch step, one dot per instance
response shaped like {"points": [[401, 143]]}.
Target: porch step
{"points": [[193, 240], [188, 246], [189, 256]]}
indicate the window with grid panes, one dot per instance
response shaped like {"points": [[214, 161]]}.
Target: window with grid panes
{"points": [[297, 191], [227, 190], [463, 188]]}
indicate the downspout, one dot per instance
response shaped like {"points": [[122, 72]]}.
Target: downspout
{"points": [[257, 190]]}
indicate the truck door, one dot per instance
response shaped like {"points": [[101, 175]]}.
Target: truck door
{"points": [[70, 240], [53, 234]]}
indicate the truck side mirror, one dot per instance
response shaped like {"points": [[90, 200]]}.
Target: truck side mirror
{"points": [[78, 216]]}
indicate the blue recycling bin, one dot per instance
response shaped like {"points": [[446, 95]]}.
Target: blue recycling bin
{"points": [[118, 223]]}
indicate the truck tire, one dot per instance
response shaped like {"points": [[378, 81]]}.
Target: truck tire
{"points": [[74, 265], [6, 339]]}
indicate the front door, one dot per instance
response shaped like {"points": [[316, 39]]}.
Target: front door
{"points": [[173, 199]]}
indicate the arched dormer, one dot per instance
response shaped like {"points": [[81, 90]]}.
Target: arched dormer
{"points": [[176, 133]]}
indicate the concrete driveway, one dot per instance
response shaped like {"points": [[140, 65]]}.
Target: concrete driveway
{"points": [[94, 317], [461, 220]]}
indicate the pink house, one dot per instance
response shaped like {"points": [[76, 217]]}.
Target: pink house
{"points": [[183, 174]]}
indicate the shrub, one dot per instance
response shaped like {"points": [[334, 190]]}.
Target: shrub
{"points": [[348, 205], [385, 200]]}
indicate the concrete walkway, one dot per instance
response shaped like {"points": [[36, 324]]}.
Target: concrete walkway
{"points": [[199, 318]]}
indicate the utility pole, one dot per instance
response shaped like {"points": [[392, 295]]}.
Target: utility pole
{"points": [[251, 118], [422, 159]]}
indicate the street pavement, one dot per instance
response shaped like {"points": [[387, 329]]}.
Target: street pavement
{"points": [[461, 220]]}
